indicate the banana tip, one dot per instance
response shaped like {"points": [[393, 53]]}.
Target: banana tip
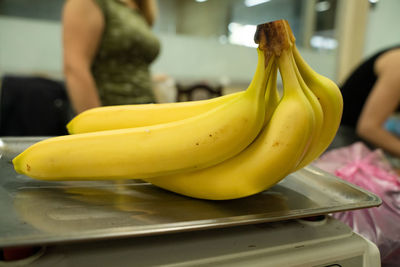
{"points": [[18, 165], [70, 127]]}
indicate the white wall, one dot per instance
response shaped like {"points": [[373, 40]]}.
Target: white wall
{"points": [[30, 46], [33, 46], [383, 26], [185, 57]]}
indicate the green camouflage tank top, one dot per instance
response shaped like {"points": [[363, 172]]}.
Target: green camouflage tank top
{"points": [[127, 48]]}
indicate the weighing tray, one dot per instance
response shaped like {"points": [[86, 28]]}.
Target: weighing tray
{"points": [[36, 212]]}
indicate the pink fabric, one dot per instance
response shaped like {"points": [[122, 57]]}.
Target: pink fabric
{"points": [[369, 170]]}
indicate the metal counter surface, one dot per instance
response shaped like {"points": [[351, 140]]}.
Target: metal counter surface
{"points": [[36, 212]]}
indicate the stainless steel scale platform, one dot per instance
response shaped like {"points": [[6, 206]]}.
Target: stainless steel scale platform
{"points": [[39, 213]]}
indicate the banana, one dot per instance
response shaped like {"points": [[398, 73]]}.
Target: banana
{"points": [[310, 153], [279, 147], [193, 143], [130, 116], [271, 95], [330, 98]]}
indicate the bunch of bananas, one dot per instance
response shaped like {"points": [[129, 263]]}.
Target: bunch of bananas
{"points": [[223, 148]]}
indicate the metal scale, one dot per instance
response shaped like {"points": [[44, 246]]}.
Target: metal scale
{"points": [[132, 223]]}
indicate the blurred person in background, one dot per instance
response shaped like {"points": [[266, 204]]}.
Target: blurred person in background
{"points": [[371, 96], [108, 48]]}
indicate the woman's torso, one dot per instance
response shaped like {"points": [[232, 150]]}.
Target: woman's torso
{"points": [[127, 48]]}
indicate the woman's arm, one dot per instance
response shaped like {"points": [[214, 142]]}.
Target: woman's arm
{"points": [[381, 104], [83, 25]]}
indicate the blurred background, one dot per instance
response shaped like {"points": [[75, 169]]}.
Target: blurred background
{"points": [[212, 40]]}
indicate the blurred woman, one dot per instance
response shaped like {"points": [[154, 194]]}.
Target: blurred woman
{"points": [[108, 48], [371, 96]]}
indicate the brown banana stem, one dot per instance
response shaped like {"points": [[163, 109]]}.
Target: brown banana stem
{"points": [[274, 37]]}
